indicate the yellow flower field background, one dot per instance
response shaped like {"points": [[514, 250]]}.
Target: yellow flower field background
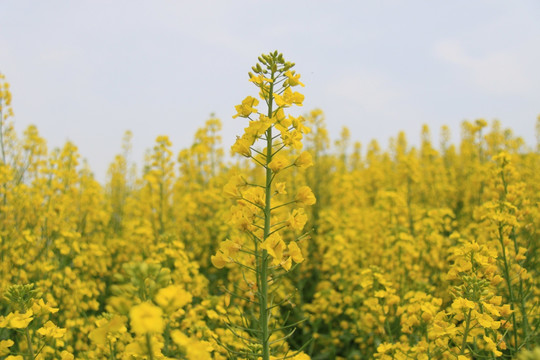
{"points": [[297, 247]]}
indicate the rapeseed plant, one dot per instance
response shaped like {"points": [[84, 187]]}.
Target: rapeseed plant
{"points": [[264, 254]]}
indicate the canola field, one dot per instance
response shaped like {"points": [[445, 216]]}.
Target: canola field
{"points": [[298, 247]]}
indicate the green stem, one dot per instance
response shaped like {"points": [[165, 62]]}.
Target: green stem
{"points": [[506, 274], [29, 343], [149, 345], [111, 351], [427, 341], [264, 312], [466, 333], [524, 324], [524, 317]]}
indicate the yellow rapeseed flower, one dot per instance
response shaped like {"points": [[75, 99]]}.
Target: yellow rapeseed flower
{"points": [[14, 357], [4, 346], [173, 297], [295, 253], [15, 320], [219, 260], [293, 79], [305, 196], [304, 161], [297, 219], [275, 246], [278, 163], [50, 330], [288, 98], [247, 107], [146, 318]]}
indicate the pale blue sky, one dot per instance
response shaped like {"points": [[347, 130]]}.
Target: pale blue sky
{"points": [[89, 70]]}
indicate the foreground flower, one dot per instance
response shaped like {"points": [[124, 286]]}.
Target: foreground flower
{"points": [[4, 346], [305, 196], [194, 348], [16, 320], [50, 330], [146, 318], [105, 329], [173, 297]]}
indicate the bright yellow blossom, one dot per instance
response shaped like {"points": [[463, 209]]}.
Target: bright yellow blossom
{"points": [[275, 246], [15, 320], [293, 79], [146, 318], [66, 355], [305, 196], [288, 98], [297, 219], [50, 330], [304, 161], [173, 297], [295, 253], [278, 163], [280, 188], [194, 348], [4, 346], [242, 147], [107, 329], [220, 260], [247, 107]]}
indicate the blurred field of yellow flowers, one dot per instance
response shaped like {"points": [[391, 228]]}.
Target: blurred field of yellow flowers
{"points": [[298, 248]]}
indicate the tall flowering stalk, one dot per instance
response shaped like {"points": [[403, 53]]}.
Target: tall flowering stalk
{"points": [[261, 213]]}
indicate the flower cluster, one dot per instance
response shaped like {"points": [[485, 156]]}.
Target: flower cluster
{"points": [[265, 243]]}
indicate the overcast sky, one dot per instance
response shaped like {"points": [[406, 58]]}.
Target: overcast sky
{"points": [[89, 70]]}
